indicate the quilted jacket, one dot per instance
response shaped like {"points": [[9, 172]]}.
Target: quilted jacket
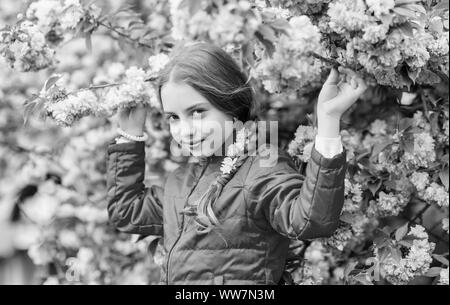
{"points": [[260, 210]]}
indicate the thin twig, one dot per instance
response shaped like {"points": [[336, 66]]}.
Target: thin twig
{"points": [[102, 86], [333, 62], [111, 28]]}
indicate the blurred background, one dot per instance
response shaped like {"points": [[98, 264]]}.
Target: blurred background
{"points": [[53, 221]]}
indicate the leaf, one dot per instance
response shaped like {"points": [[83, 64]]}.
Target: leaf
{"points": [[32, 106], [406, 243], [349, 268], [152, 245], [90, 28], [51, 81], [402, 2], [403, 74], [384, 253], [79, 28], [396, 254], [192, 5], [384, 232], [287, 277], [387, 19], [363, 279], [391, 184], [88, 41], [268, 45], [441, 259], [268, 33], [380, 241], [443, 5], [443, 175], [445, 159], [280, 24], [401, 232], [405, 123], [374, 187], [416, 8], [413, 74], [347, 217], [247, 50], [124, 8], [379, 147], [409, 145], [183, 4], [433, 272], [436, 26], [405, 12]]}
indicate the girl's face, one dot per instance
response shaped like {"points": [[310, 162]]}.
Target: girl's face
{"points": [[194, 122]]}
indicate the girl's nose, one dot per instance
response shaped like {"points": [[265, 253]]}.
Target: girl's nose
{"points": [[186, 131]]}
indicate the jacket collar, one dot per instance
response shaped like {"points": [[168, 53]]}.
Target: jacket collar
{"points": [[209, 159]]}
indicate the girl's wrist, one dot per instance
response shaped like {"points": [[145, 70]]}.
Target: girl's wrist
{"points": [[328, 126], [139, 137], [132, 131], [121, 139]]}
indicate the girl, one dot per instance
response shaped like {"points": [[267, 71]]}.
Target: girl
{"points": [[226, 219]]}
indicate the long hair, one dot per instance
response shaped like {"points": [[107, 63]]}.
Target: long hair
{"points": [[216, 76]]}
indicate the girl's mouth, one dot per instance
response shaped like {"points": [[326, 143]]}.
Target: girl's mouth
{"points": [[195, 144]]}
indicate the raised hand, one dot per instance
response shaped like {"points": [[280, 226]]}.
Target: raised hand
{"points": [[132, 120], [339, 92]]}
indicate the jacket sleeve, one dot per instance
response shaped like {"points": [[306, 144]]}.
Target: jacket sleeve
{"points": [[132, 207], [298, 206]]}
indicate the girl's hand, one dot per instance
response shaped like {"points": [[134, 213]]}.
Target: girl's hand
{"points": [[132, 120], [339, 92]]}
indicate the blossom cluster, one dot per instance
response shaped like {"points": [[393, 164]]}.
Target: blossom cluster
{"points": [[316, 268], [299, 7], [431, 192], [228, 27], [375, 40], [25, 48], [354, 220], [47, 14], [29, 44], [125, 88], [301, 146], [388, 204], [401, 270], [131, 91], [68, 110], [443, 277], [243, 143], [291, 65], [353, 196]]}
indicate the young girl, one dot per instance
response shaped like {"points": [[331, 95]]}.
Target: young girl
{"points": [[227, 219]]}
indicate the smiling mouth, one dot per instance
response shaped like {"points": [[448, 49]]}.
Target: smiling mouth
{"points": [[194, 144]]}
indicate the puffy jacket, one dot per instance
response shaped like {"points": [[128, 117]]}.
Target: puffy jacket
{"points": [[260, 209]]}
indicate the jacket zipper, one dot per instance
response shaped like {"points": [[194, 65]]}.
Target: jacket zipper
{"points": [[182, 226], [171, 250]]}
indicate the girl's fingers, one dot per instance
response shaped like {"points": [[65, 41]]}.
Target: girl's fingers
{"points": [[347, 72], [333, 77], [123, 113], [362, 86], [353, 83]]}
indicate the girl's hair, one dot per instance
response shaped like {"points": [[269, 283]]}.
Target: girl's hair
{"points": [[215, 75]]}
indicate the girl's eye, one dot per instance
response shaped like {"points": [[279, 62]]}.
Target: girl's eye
{"points": [[171, 118], [198, 113]]}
